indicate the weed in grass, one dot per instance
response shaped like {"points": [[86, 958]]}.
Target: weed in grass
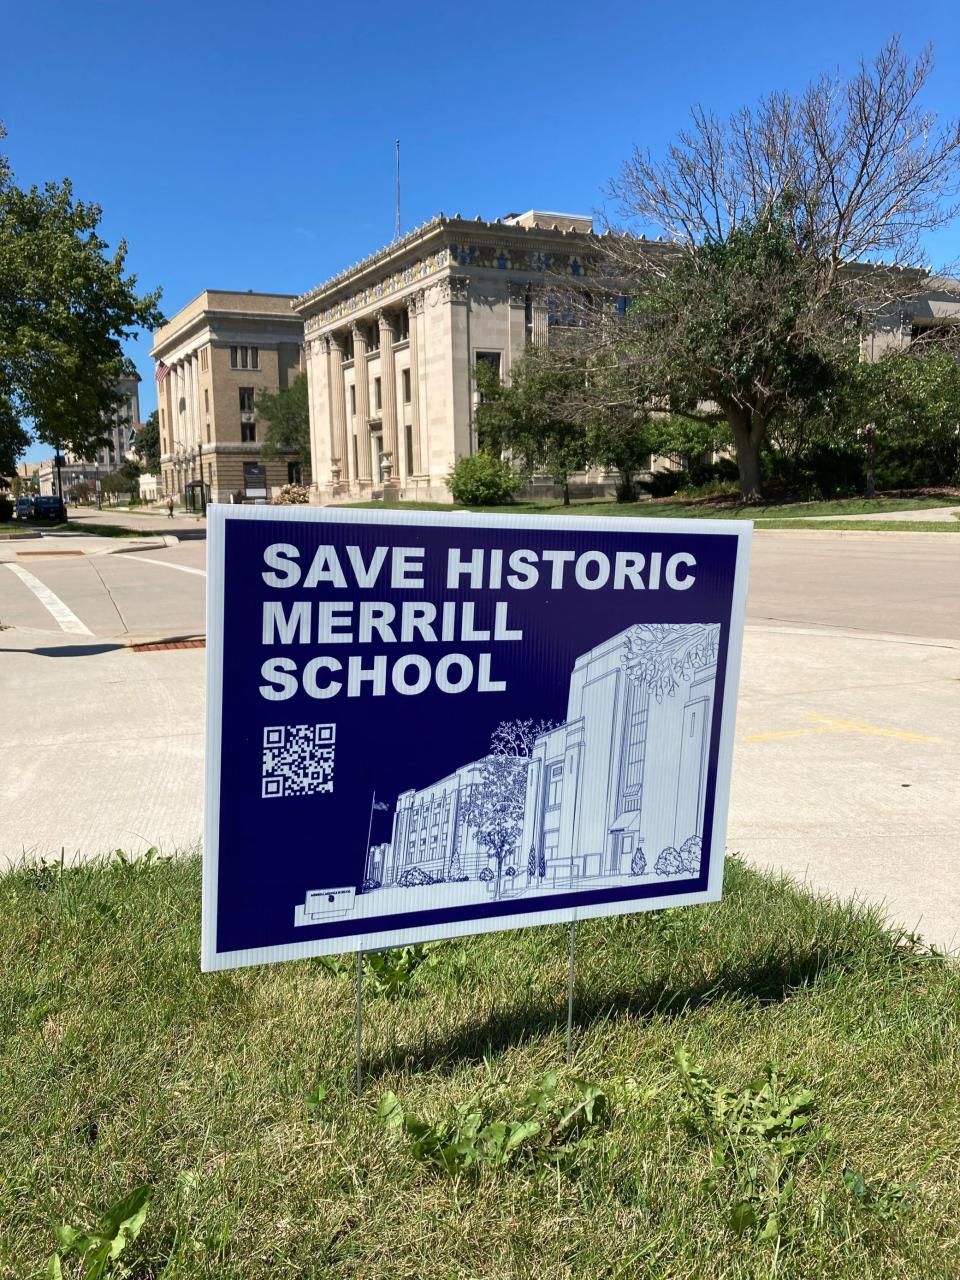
{"points": [[100, 1248], [541, 1130], [884, 1200], [391, 972], [758, 1138]]}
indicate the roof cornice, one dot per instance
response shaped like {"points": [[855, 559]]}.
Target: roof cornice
{"points": [[436, 230]]}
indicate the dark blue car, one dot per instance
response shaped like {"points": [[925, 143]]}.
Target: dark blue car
{"points": [[49, 507]]}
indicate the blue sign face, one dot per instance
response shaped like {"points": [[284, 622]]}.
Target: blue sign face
{"points": [[423, 725]]}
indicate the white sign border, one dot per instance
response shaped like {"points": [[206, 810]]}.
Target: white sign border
{"points": [[217, 516]]}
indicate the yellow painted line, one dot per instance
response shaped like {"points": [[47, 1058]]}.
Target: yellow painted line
{"points": [[786, 733], [840, 726], [872, 728]]}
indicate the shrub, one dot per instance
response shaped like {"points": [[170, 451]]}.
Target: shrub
{"points": [[486, 875], [482, 481], [368, 885], [691, 852], [669, 862], [6, 510], [638, 863], [292, 495], [414, 877]]}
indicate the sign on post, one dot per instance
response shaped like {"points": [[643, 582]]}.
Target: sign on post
{"points": [[422, 725]]}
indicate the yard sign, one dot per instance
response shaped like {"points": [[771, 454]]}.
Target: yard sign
{"points": [[421, 725]]}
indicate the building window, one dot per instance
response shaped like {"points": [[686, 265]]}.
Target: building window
{"points": [[634, 746], [248, 432], [356, 458], [353, 399], [204, 360], [243, 357], [405, 379], [233, 357], [377, 401], [554, 785], [373, 337], [348, 346], [206, 399], [254, 357], [294, 473], [246, 399], [403, 325], [489, 360], [409, 443]]}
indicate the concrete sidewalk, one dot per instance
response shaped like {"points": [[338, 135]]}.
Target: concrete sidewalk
{"points": [[844, 773]]}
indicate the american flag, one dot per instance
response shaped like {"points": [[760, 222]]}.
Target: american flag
{"points": [[162, 371]]}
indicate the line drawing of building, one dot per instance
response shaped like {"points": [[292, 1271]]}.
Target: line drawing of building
{"points": [[615, 795]]}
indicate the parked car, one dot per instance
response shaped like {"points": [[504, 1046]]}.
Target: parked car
{"points": [[24, 507], [49, 507]]}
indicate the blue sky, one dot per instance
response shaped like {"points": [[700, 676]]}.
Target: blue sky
{"points": [[251, 146]]}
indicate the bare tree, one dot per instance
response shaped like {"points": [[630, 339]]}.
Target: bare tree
{"points": [[863, 167], [846, 170]]}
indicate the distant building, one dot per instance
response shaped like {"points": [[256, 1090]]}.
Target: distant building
{"points": [[83, 475], [212, 358]]}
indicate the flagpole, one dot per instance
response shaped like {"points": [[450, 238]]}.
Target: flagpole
{"points": [[398, 188]]}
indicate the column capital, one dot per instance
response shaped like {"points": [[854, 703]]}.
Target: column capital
{"points": [[414, 302]]}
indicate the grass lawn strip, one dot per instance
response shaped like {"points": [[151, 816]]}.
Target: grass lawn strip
{"points": [[696, 509], [819, 1090]]}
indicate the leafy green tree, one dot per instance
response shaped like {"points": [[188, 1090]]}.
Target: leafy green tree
{"points": [[147, 444], [287, 416], [66, 307], [736, 331], [904, 411], [531, 414]]}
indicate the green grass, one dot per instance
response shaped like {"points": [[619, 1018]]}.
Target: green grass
{"points": [[35, 528], [121, 1064], [868, 526], [673, 508]]}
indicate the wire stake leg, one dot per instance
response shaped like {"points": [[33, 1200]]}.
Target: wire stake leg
{"points": [[573, 944], [359, 1020]]}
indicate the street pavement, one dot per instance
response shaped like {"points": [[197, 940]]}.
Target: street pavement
{"points": [[845, 771]]}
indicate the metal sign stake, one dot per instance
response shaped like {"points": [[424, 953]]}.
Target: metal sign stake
{"points": [[359, 1020], [573, 944]]}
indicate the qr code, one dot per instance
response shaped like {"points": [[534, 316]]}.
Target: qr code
{"points": [[298, 760]]}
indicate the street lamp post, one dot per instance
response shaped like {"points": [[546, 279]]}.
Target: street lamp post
{"points": [[203, 488]]}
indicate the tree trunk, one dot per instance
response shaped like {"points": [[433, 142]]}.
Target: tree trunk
{"points": [[870, 462], [748, 433], [566, 493]]}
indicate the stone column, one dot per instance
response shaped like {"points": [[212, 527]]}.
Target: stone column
{"points": [[337, 409], [388, 399], [362, 383], [541, 324], [415, 306]]}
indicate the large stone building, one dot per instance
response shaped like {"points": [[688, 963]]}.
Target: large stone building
{"points": [[213, 357], [392, 343]]}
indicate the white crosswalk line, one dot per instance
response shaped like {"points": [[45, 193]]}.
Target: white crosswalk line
{"points": [[166, 564], [64, 616]]}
